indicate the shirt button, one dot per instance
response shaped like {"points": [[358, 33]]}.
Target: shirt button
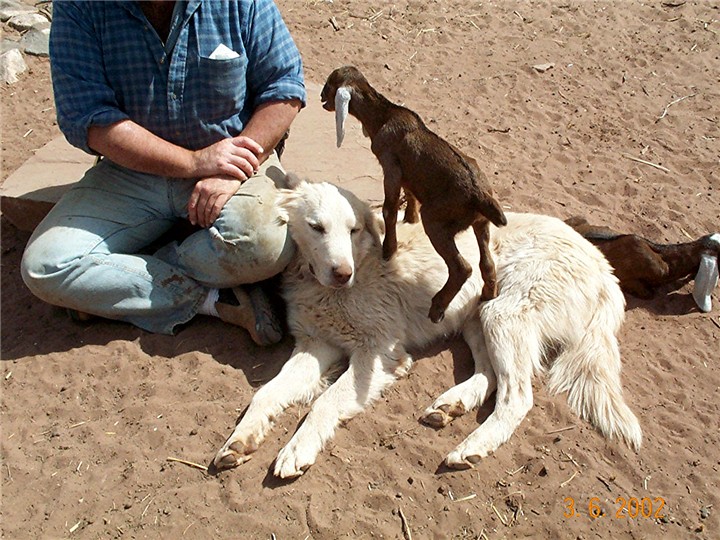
{"points": [[173, 96]]}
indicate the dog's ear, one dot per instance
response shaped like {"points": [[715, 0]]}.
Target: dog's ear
{"points": [[292, 180], [286, 201], [375, 225]]}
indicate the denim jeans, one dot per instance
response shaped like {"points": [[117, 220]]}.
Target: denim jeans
{"points": [[85, 254]]}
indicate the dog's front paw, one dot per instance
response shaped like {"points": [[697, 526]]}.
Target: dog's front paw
{"points": [[235, 452], [295, 459], [464, 458], [441, 416]]}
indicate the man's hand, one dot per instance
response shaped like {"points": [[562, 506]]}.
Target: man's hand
{"points": [[209, 197], [237, 157]]}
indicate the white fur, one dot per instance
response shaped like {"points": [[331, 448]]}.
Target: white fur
{"points": [[556, 292]]}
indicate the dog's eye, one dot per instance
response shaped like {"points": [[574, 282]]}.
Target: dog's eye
{"points": [[355, 230], [317, 227]]}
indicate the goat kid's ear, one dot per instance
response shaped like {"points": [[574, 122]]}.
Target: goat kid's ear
{"points": [[342, 106]]}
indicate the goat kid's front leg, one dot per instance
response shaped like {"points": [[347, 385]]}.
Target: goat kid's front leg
{"points": [[459, 270], [299, 380], [367, 376], [487, 264], [392, 185]]}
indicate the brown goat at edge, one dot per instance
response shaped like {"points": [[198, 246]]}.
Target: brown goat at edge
{"points": [[640, 265], [452, 191]]}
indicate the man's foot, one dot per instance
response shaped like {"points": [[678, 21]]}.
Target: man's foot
{"points": [[249, 307]]}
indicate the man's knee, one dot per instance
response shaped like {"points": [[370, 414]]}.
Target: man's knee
{"points": [[45, 260], [251, 251]]}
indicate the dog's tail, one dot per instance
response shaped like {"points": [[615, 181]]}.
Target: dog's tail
{"points": [[589, 371]]}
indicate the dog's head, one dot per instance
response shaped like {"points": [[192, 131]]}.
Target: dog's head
{"points": [[332, 229], [337, 92]]}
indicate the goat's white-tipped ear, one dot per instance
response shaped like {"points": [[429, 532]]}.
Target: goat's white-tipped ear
{"points": [[705, 282], [342, 105]]}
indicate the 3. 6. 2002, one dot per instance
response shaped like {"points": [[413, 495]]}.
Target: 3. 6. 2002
{"points": [[631, 507]]}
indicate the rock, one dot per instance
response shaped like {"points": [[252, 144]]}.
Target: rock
{"points": [[9, 9], [36, 41], [12, 64], [25, 21], [542, 68], [8, 44]]}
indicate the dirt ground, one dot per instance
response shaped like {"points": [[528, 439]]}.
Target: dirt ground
{"points": [[91, 414]]}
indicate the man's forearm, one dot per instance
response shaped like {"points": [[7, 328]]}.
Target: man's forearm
{"points": [[269, 123], [132, 146]]}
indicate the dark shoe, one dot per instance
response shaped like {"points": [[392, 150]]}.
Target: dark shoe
{"points": [[249, 307], [79, 316]]}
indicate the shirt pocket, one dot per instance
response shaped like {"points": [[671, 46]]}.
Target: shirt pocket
{"points": [[222, 87]]}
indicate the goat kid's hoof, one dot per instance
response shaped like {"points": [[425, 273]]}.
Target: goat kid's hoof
{"points": [[234, 455], [436, 315], [488, 293]]}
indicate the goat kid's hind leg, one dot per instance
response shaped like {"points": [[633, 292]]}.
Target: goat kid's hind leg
{"points": [[367, 376], [411, 208], [487, 264], [299, 380], [459, 270], [514, 349], [471, 393]]}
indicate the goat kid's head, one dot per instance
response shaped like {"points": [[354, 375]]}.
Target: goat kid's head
{"points": [[336, 95], [332, 229]]}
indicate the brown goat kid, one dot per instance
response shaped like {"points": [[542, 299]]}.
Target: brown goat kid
{"points": [[641, 266], [452, 191]]}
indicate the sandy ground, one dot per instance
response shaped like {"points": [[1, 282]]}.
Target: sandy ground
{"points": [[90, 414]]}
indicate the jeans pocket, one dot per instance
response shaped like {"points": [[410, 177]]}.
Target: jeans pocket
{"points": [[224, 87]]}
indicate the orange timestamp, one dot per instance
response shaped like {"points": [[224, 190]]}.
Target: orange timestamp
{"points": [[631, 507]]}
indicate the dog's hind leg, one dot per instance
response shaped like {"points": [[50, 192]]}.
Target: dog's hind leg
{"points": [[470, 393], [514, 349], [487, 264], [367, 376], [443, 240], [299, 381], [588, 369]]}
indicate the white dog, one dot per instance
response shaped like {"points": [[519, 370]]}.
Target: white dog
{"points": [[556, 292]]}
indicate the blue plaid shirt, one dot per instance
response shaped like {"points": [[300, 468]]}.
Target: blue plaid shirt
{"points": [[109, 64]]}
